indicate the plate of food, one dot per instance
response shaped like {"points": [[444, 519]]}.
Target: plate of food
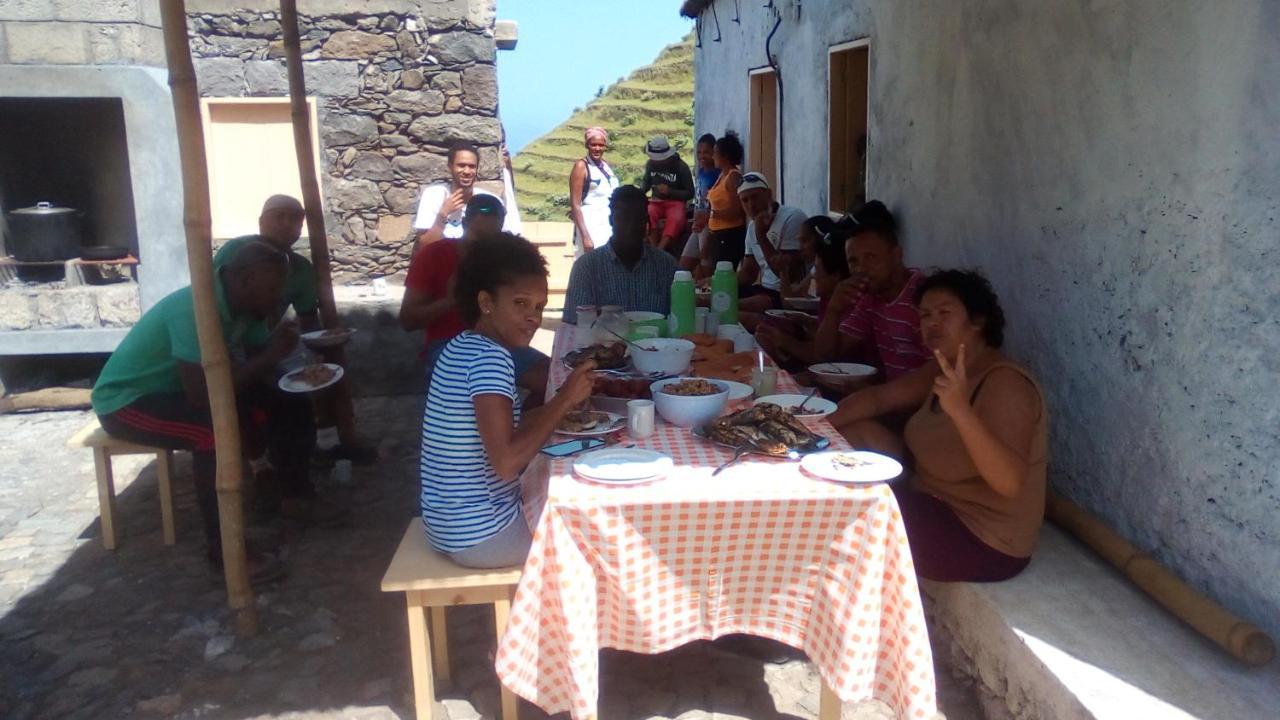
{"points": [[608, 356], [852, 466], [813, 406], [327, 338], [311, 378], [803, 304], [766, 429], [585, 423], [623, 466], [790, 315]]}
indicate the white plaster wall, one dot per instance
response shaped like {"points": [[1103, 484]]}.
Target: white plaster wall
{"points": [[1114, 167]]}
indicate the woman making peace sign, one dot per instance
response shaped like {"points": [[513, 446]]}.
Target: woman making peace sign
{"points": [[975, 501]]}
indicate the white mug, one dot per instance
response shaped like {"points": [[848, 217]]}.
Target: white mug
{"points": [[742, 340], [640, 418]]}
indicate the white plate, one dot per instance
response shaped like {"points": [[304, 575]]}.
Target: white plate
{"points": [[843, 372], [289, 383], [616, 422], [622, 466], [877, 467], [320, 340], [806, 304], [737, 391], [815, 407], [791, 315]]}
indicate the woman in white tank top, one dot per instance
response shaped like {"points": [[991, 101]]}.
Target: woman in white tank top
{"points": [[591, 184]]}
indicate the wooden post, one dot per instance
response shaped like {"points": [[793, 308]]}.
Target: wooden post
{"points": [[213, 348], [307, 162], [344, 415]]}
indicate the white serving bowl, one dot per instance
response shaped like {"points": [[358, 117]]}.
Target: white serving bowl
{"points": [[669, 355], [688, 410], [843, 376]]}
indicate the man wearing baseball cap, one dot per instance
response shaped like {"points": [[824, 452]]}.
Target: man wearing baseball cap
{"points": [[280, 226], [773, 245], [669, 183], [428, 302]]}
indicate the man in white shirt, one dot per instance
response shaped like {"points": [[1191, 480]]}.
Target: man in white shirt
{"points": [[773, 245], [440, 208]]}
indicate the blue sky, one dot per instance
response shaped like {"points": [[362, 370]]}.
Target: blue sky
{"points": [[568, 49]]}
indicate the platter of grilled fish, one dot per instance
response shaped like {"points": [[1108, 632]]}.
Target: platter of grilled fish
{"points": [[766, 429]]}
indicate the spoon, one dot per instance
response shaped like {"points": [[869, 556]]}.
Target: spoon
{"points": [[800, 408], [638, 347]]}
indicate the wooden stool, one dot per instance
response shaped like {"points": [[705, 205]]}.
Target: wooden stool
{"points": [[430, 580], [104, 446]]}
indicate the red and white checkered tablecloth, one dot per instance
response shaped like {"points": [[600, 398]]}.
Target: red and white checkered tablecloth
{"points": [[760, 549]]}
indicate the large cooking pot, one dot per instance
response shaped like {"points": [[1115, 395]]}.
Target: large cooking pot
{"points": [[44, 233]]}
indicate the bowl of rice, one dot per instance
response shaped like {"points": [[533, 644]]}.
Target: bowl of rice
{"points": [[689, 402]]}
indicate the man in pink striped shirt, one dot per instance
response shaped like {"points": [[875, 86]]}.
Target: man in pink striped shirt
{"points": [[873, 315]]}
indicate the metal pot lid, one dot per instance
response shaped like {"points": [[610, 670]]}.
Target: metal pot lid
{"points": [[43, 208]]}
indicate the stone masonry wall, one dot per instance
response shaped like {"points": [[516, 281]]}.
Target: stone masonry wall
{"points": [[80, 32], [394, 84], [52, 306]]}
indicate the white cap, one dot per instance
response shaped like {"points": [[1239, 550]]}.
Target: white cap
{"points": [[724, 265], [752, 181], [683, 276]]}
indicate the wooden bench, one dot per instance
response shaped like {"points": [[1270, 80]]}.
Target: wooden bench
{"points": [[104, 447], [430, 581]]}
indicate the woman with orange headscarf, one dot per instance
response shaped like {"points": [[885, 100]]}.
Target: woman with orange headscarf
{"points": [[591, 183]]}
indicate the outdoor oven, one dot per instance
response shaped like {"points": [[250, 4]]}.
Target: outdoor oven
{"points": [[90, 207]]}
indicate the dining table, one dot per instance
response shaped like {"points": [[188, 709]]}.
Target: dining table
{"points": [[762, 548]]}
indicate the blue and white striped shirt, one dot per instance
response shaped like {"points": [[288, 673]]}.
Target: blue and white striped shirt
{"points": [[463, 500]]}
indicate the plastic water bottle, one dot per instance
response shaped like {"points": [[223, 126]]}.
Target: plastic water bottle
{"points": [[680, 322], [724, 293]]}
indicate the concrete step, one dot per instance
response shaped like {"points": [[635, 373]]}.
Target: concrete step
{"points": [[1071, 638]]}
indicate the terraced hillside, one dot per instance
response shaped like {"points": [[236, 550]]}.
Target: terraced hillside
{"points": [[655, 99]]}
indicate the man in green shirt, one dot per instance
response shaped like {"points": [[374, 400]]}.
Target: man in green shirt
{"points": [[152, 390], [280, 225]]}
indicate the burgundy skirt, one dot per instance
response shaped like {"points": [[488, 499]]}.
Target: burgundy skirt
{"points": [[944, 549]]}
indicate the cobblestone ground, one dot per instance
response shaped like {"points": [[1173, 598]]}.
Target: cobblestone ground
{"points": [[144, 631]]}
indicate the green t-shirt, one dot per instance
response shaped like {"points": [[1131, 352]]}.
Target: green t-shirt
{"points": [[300, 286], [146, 361]]}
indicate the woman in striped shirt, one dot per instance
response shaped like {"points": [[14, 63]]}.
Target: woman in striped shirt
{"points": [[475, 443]]}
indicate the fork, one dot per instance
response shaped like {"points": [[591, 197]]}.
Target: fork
{"points": [[737, 455]]}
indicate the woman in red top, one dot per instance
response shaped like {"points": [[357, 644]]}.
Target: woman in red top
{"points": [[429, 302]]}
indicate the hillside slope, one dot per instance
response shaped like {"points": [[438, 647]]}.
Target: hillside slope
{"points": [[655, 99]]}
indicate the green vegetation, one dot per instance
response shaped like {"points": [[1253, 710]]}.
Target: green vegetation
{"points": [[656, 99]]}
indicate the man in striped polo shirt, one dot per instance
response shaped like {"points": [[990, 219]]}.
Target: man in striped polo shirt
{"points": [[873, 314]]}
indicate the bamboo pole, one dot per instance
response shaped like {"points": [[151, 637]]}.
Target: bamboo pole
{"points": [[306, 162], [213, 349], [344, 415], [1241, 639]]}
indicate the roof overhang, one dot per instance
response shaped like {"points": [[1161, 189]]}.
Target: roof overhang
{"points": [[694, 8]]}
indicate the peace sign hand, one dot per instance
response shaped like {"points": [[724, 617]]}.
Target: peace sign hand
{"points": [[952, 386]]}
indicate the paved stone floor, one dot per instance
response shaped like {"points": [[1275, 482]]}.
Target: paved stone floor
{"points": [[144, 631]]}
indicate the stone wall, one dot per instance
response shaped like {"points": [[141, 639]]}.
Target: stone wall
{"points": [[51, 306], [1113, 168], [81, 32], [395, 83]]}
